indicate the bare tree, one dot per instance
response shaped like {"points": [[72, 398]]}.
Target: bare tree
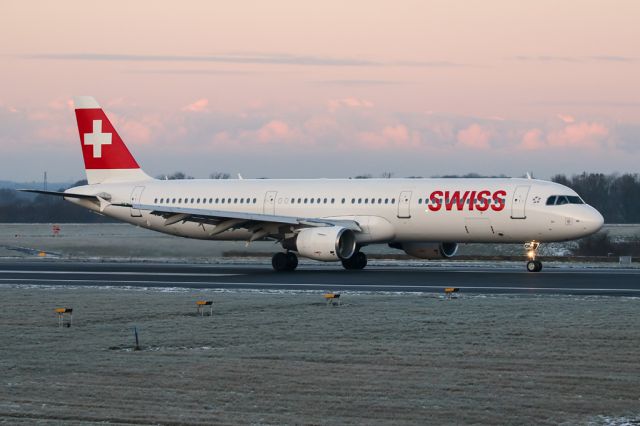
{"points": [[219, 175]]}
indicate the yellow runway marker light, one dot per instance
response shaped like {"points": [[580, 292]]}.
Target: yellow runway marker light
{"points": [[201, 304], [61, 312]]}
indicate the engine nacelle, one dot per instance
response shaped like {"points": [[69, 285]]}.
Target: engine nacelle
{"points": [[428, 250], [328, 243]]}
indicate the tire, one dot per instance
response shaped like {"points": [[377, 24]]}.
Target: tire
{"points": [[280, 262], [534, 266], [539, 266], [356, 262], [292, 261]]}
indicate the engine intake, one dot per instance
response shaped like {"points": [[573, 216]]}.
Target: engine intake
{"points": [[330, 243], [428, 250]]}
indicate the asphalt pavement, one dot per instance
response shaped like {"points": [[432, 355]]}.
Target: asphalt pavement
{"points": [[490, 279]]}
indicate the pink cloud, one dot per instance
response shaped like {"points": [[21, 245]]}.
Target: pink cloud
{"points": [[532, 140], [474, 136], [579, 134], [198, 106], [566, 118], [398, 136], [275, 130], [350, 102], [583, 135]]}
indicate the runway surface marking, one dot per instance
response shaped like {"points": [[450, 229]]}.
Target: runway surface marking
{"points": [[173, 274], [324, 286]]}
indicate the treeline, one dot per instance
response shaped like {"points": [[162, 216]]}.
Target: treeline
{"points": [[18, 207], [617, 197]]}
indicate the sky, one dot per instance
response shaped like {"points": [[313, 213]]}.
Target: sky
{"points": [[290, 88]]}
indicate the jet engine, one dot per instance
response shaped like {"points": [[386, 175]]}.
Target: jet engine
{"points": [[327, 243], [428, 250]]}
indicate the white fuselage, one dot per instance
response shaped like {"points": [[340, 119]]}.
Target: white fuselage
{"points": [[387, 210]]}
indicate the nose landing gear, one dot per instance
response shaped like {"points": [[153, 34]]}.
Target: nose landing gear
{"points": [[533, 265]]}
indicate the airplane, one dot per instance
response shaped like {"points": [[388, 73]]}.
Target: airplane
{"points": [[330, 220]]}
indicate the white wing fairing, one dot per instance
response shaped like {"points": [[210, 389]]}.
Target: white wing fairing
{"points": [[327, 220]]}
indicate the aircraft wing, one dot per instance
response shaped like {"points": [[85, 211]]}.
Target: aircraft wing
{"points": [[266, 224]]}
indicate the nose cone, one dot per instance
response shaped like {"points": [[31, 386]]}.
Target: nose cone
{"points": [[592, 221]]}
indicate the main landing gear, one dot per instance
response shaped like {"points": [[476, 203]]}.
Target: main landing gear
{"points": [[533, 265], [284, 261], [357, 261]]}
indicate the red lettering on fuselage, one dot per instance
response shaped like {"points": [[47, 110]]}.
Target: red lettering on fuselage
{"points": [[498, 200], [467, 200]]}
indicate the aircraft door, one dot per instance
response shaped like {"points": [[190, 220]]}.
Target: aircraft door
{"points": [[519, 202], [404, 205], [135, 199], [269, 206]]}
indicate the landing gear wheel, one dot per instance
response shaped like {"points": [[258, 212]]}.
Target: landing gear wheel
{"points": [[534, 266], [284, 262], [357, 261], [279, 262], [292, 261]]}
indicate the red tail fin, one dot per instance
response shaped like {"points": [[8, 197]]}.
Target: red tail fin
{"points": [[106, 157]]}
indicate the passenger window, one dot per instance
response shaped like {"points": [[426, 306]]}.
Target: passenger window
{"points": [[333, 200], [179, 200], [359, 200], [222, 201], [393, 201], [366, 201], [311, 201], [343, 201], [210, 200], [318, 200], [174, 201], [305, 200], [353, 201], [217, 200], [379, 200], [386, 201], [419, 200], [325, 201]]}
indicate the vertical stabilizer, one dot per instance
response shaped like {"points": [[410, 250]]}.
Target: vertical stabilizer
{"points": [[106, 157]]}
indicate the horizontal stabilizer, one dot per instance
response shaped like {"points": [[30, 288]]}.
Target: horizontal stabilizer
{"points": [[61, 194]]}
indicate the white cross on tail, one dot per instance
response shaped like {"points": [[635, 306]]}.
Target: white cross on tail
{"points": [[97, 138]]}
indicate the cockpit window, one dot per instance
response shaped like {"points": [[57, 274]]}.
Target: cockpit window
{"points": [[558, 200]]}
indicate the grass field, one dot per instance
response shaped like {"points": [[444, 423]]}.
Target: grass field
{"points": [[287, 358]]}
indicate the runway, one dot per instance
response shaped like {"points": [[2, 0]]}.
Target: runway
{"points": [[470, 279]]}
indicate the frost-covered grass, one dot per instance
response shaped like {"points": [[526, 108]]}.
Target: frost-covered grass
{"points": [[270, 357]]}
